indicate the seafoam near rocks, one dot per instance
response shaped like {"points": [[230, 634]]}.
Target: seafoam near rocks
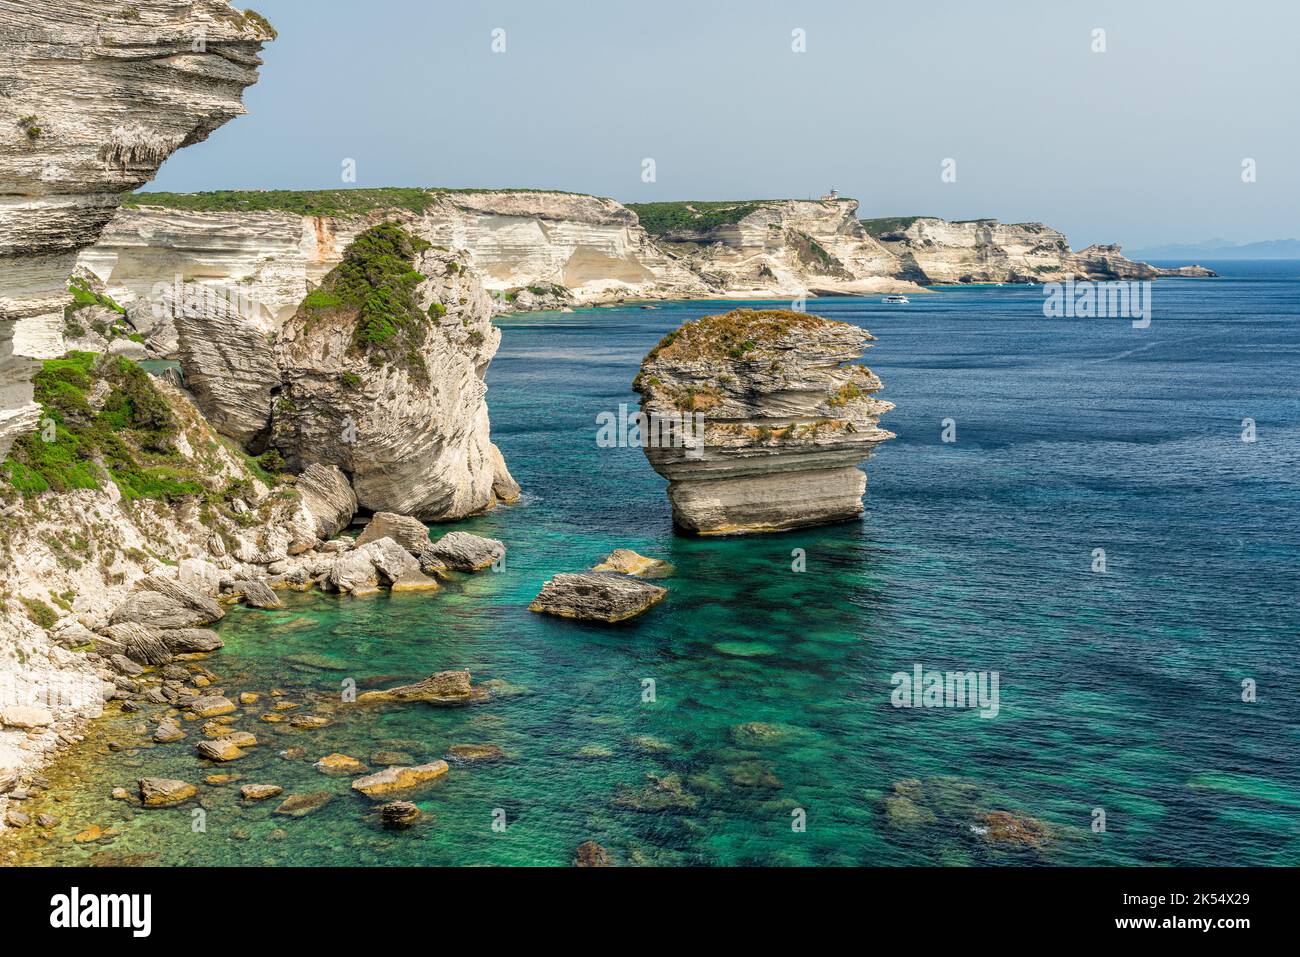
{"points": [[785, 413], [97, 94]]}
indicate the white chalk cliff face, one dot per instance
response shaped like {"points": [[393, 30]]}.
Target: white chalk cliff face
{"points": [[782, 248], [512, 239], [97, 94], [932, 250]]}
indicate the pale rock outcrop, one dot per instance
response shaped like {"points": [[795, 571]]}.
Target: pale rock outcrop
{"points": [[327, 495], [758, 419], [398, 778], [464, 551], [596, 596], [412, 429], [932, 250], [383, 561], [444, 689], [230, 368], [98, 94], [779, 248], [410, 533], [164, 603]]}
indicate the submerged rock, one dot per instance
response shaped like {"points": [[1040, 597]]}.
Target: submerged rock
{"points": [[165, 792], [469, 753], [209, 706], [398, 779], [256, 594], [627, 562], [664, 793], [597, 596], [337, 763], [220, 749], [300, 805], [260, 792], [444, 689], [399, 814], [759, 419], [1017, 830], [591, 854]]}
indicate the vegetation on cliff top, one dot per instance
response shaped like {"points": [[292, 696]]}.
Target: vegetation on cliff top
{"points": [[308, 202], [377, 281], [660, 219], [888, 224], [731, 335], [128, 438]]}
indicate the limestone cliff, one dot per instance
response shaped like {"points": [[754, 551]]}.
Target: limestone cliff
{"points": [[775, 248], [759, 420], [931, 250], [98, 93], [126, 481], [527, 247], [382, 375]]}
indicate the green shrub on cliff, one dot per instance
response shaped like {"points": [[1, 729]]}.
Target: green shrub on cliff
{"points": [[377, 281], [129, 438], [661, 218]]}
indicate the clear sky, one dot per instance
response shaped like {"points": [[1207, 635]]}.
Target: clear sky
{"points": [[1142, 143]]}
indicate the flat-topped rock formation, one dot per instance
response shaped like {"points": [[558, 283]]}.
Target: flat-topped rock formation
{"points": [[935, 251], [101, 93], [760, 419]]}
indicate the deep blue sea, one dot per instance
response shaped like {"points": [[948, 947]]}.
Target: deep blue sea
{"points": [[1120, 691]]}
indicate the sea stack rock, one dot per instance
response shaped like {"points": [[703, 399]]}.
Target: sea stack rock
{"points": [[759, 419], [382, 369]]}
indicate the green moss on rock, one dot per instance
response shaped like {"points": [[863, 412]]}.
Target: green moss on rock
{"points": [[127, 438], [376, 284]]}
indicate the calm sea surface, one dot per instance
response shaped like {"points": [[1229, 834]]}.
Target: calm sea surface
{"points": [[1120, 691]]}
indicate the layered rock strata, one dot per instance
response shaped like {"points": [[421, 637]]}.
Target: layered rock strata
{"points": [[596, 596], [776, 247], [98, 94], [759, 419], [382, 377], [931, 251]]}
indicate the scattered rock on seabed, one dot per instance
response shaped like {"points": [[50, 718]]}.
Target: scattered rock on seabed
{"points": [[591, 854], [444, 689], [398, 779], [627, 562], [399, 814]]}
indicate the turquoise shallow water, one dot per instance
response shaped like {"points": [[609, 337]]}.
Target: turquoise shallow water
{"points": [[1119, 691]]}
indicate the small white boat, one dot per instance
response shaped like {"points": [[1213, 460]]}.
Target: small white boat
{"points": [[898, 299]]}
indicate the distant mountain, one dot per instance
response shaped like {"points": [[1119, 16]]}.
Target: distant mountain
{"points": [[1222, 249]]}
